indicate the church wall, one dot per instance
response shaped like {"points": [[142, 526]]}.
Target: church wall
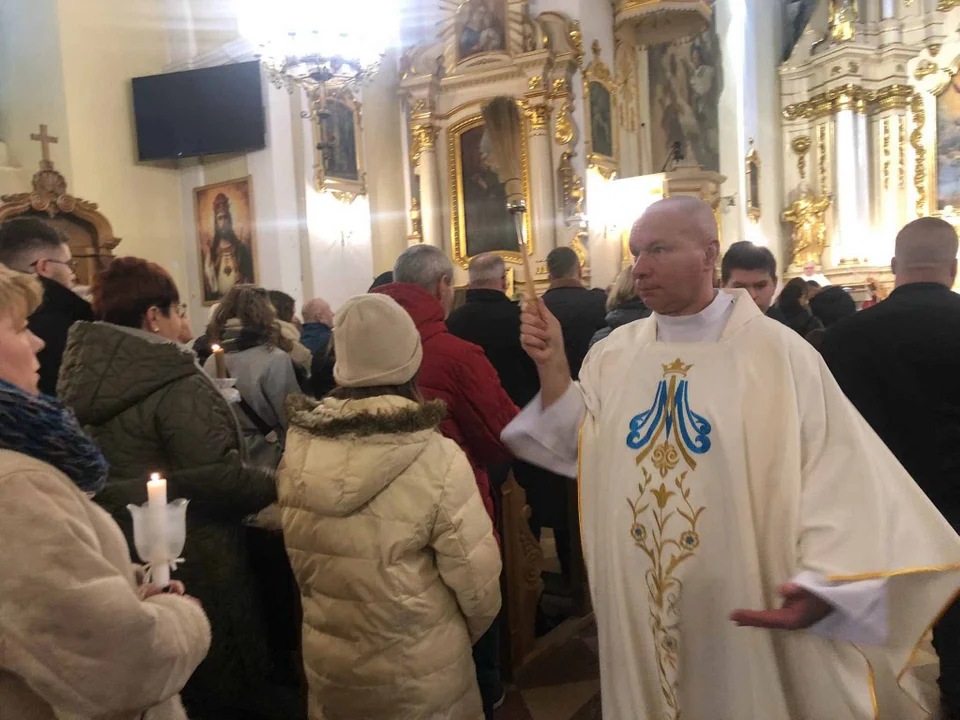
{"points": [[762, 122], [31, 89], [103, 45], [386, 165]]}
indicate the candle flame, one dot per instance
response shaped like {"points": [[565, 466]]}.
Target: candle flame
{"points": [[216, 348], [154, 476]]}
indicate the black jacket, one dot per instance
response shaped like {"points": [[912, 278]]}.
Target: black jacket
{"points": [[899, 363], [581, 313], [629, 312], [489, 319], [51, 322]]}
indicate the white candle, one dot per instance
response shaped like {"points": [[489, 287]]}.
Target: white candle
{"points": [[157, 514]]}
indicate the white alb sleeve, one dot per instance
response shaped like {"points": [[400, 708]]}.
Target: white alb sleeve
{"points": [[548, 438], [860, 609]]}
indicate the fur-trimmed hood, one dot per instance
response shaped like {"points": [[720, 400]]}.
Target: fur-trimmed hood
{"points": [[347, 451]]}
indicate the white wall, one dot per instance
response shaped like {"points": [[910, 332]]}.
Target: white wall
{"points": [[31, 85]]}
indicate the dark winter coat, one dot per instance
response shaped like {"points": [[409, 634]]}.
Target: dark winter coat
{"points": [[151, 408], [491, 320], [315, 336], [457, 372], [581, 313], [898, 362], [51, 322], [628, 312]]}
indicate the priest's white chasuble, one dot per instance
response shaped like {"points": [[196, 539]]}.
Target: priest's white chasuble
{"points": [[712, 472]]}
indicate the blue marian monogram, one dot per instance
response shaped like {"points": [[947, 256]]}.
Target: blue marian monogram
{"points": [[670, 417]]}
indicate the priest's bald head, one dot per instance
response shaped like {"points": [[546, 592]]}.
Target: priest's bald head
{"points": [[926, 252], [675, 245]]}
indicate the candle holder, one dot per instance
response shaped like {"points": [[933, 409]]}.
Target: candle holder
{"points": [[227, 388], [161, 558]]}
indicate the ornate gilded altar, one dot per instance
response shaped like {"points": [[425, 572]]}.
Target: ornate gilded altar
{"points": [[483, 49], [859, 95], [88, 232]]}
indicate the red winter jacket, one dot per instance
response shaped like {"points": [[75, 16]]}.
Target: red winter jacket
{"points": [[458, 373]]}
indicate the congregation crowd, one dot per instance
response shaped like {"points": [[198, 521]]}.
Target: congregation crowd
{"points": [[342, 556]]}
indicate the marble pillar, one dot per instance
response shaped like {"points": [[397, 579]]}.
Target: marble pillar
{"points": [[541, 181], [851, 185], [425, 136]]}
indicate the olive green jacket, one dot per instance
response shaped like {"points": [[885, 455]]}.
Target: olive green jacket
{"points": [[150, 408]]}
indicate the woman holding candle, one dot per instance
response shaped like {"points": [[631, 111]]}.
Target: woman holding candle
{"points": [[394, 552], [152, 409], [255, 353], [78, 640]]}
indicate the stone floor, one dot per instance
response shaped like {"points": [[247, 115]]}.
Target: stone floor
{"points": [[562, 684]]}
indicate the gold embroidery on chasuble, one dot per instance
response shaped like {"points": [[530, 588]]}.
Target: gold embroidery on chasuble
{"points": [[665, 516]]}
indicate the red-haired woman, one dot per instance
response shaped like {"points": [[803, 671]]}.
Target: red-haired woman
{"points": [[150, 408]]}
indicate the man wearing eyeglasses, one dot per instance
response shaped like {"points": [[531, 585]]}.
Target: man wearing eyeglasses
{"points": [[31, 246]]}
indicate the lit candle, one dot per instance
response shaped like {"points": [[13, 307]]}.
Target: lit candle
{"points": [[157, 514], [220, 360]]}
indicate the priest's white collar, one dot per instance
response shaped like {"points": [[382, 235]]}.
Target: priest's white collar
{"points": [[706, 326]]}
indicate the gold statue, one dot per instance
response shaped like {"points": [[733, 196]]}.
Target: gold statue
{"points": [[809, 228], [844, 16]]}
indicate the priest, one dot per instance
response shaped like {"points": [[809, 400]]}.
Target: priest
{"points": [[754, 550]]}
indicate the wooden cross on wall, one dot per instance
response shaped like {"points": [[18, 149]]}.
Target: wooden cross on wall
{"points": [[45, 141]]}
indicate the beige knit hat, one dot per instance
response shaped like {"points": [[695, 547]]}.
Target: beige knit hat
{"points": [[376, 343]]}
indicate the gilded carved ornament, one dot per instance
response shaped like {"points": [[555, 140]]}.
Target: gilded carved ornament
{"points": [[571, 188], [947, 5], [924, 68], [886, 153], [564, 132], [849, 97], [806, 214], [822, 149], [800, 146], [576, 41], [538, 115], [916, 142], [424, 138], [902, 144], [844, 17]]}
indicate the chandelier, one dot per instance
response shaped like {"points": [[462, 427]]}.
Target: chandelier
{"points": [[314, 44], [322, 47]]}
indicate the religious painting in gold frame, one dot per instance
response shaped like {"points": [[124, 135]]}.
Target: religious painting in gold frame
{"points": [[226, 238], [480, 28], [933, 107], [479, 219], [338, 145], [599, 89], [947, 147], [752, 171]]}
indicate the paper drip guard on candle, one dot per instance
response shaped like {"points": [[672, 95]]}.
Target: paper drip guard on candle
{"points": [[159, 531]]}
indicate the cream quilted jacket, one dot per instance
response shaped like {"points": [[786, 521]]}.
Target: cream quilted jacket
{"points": [[76, 641], [395, 556]]}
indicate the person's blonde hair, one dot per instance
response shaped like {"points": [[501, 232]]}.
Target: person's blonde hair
{"points": [[19, 289], [623, 290]]}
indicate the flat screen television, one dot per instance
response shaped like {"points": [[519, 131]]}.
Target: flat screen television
{"points": [[200, 112]]}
